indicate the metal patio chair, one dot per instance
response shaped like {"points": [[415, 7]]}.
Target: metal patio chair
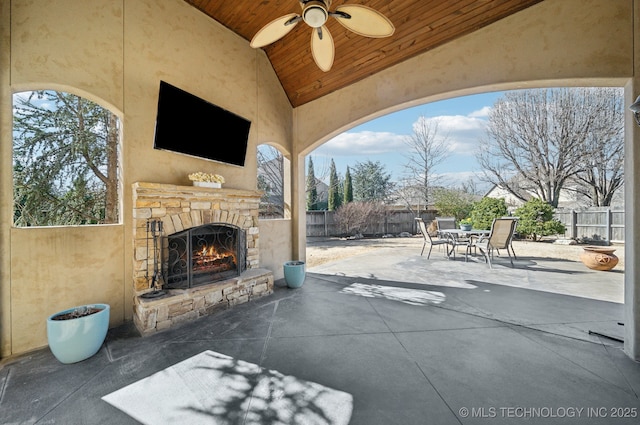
{"points": [[456, 240], [502, 230], [428, 240], [445, 223], [515, 230]]}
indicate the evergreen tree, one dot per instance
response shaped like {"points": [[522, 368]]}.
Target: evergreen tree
{"points": [[348, 188], [65, 152], [312, 191], [335, 200], [371, 182]]}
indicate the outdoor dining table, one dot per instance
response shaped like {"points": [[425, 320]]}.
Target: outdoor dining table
{"points": [[455, 234], [472, 232]]}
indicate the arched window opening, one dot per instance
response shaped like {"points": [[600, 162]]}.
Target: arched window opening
{"points": [[271, 180], [65, 160]]}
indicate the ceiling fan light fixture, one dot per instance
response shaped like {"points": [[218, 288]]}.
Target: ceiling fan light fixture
{"points": [[357, 18], [315, 14]]}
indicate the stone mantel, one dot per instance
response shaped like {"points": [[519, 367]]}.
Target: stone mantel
{"points": [[162, 189], [183, 207]]}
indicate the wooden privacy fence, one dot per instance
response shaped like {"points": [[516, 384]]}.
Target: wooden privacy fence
{"points": [[322, 223], [593, 224]]}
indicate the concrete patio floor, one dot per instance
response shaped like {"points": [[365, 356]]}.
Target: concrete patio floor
{"points": [[409, 340]]}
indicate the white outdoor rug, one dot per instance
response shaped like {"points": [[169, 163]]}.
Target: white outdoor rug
{"points": [[211, 388]]}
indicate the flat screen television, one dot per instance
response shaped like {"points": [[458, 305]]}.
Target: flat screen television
{"points": [[190, 125]]}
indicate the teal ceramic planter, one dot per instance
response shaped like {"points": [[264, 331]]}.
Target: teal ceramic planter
{"points": [[76, 339], [294, 273]]}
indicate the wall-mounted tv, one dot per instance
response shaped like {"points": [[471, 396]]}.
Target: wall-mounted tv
{"points": [[190, 125]]}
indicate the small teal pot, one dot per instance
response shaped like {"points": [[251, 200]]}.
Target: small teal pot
{"points": [[76, 339], [294, 273], [465, 227]]}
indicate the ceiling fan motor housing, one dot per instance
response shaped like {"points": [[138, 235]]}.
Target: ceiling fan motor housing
{"points": [[315, 13]]}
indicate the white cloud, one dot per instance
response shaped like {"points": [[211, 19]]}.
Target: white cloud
{"points": [[481, 113], [463, 132], [363, 143]]}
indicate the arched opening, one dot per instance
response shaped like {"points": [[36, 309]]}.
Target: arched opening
{"points": [[366, 138], [66, 166], [274, 182]]}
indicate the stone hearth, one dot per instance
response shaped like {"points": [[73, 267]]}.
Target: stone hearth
{"points": [[180, 208]]}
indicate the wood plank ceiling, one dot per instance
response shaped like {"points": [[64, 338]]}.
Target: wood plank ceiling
{"points": [[421, 25]]}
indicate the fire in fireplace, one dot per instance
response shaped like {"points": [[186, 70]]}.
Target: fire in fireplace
{"points": [[204, 254]]}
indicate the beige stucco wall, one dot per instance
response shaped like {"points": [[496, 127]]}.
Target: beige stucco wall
{"points": [[6, 210], [115, 52], [51, 268], [273, 235]]}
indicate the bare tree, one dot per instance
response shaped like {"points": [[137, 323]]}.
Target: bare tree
{"points": [[539, 139], [427, 149], [603, 171], [410, 195], [360, 217], [271, 181]]}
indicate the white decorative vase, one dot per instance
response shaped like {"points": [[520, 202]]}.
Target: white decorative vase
{"points": [[208, 184]]}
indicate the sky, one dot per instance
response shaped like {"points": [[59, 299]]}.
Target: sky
{"points": [[383, 139]]}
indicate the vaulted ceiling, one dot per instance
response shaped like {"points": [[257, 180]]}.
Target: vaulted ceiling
{"points": [[420, 25]]}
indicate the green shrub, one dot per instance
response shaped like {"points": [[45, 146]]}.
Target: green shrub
{"points": [[452, 203], [536, 220], [485, 210]]}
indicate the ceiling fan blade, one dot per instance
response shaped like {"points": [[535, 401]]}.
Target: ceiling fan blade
{"points": [[364, 21], [275, 30], [322, 49]]}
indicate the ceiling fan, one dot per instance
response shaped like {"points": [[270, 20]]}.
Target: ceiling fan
{"points": [[360, 19]]}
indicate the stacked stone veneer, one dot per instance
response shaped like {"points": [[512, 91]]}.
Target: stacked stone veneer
{"points": [[180, 208]]}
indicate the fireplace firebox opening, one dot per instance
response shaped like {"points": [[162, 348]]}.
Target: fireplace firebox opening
{"points": [[204, 254]]}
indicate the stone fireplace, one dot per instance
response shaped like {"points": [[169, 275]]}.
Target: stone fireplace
{"points": [[210, 252]]}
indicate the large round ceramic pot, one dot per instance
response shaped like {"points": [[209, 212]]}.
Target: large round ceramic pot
{"points": [[599, 257], [294, 273], [78, 333]]}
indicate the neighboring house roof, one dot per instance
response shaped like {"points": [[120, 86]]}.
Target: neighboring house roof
{"points": [[510, 199], [322, 189]]}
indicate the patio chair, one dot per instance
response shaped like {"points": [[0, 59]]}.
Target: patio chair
{"points": [[515, 229], [427, 238], [502, 230], [445, 223], [456, 240]]}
